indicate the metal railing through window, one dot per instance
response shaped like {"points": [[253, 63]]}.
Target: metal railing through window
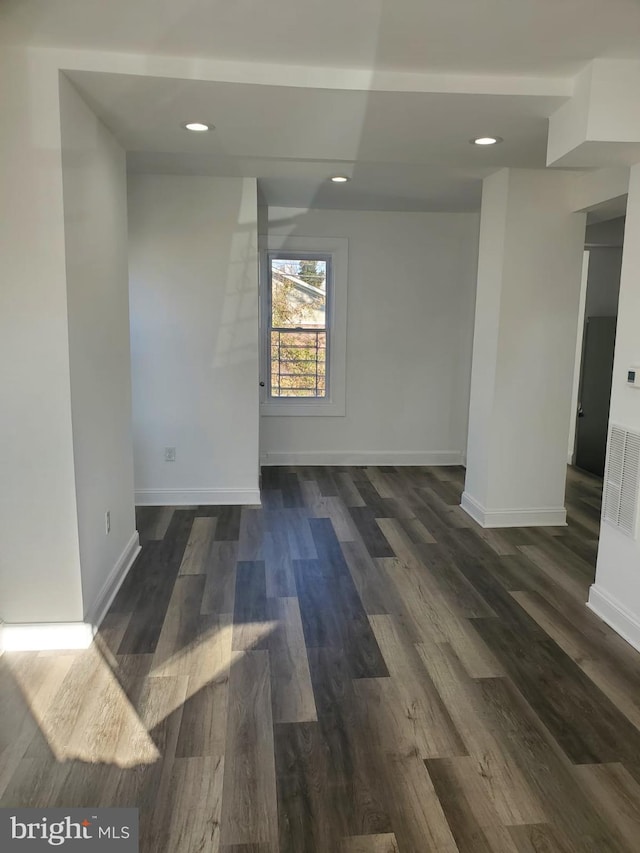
{"points": [[298, 362]]}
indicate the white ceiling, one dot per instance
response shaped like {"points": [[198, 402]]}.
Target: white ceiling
{"points": [[477, 36], [375, 89], [403, 150]]}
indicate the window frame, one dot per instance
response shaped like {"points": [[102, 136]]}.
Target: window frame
{"points": [[334, 251], [301, 256]]}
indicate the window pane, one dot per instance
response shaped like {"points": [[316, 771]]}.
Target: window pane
{"points": [[298, 363], [298, 294]]}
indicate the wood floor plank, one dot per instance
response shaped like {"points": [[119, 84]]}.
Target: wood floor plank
{"points": [[110, 633], [193, 807], [250, 622], [278, 562], [367, 577], [328, 549], [204, 714], [198, 544], [372, 536], [542, 838], [416, 599], [549, 774], [333, 617], [34, 783], [504, 783], [583, 720], [344, 526], [416, 531], [434, 621], [181, 624], [291, 688], [380, 482], [29, 688], [61, 720], [617, 682], [228, 526], [461, 595], [475, 566], [322, 624], [249, 801], [416, 812], [348, 490], [616, 795], [398, 538], [300, 540], [143, 632], [412, 701], [476, 828], [152, 522], [312, 813], [343, 723], [147, 786], [373, 500], [143, 569], [385, 843], [576, 585], [251, 534], [325, 478], [220, 586], [498, 543]]}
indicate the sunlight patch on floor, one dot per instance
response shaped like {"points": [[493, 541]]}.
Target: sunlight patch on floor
{"points": [[82, 711]]}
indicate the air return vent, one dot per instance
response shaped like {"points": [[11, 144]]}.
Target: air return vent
{"points": [[622, 479]]}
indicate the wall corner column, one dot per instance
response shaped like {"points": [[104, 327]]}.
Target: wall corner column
{"points": [[527, 305]]}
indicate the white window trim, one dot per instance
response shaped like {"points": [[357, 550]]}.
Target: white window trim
{"points": [[334, 405]]}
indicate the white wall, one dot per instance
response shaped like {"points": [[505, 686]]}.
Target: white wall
{"points": [[609, 233], [411, 294], [95, 217], [529, 278], [616, 592], [194, 338], [593, 187], [575, 394], [603, 284], [39, 555]]}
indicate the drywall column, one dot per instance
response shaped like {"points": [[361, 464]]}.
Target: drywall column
{"points": [[95, 216], [193, 280], [529, 274], [615, 596], [39, 558]]}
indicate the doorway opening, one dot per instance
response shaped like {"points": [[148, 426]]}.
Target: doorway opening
{"points": [[596, 344]]}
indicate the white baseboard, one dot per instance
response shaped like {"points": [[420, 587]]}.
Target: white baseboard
{"points": [[45, 636], [611, 611], [364, 457], [197, 497], [526, 517], [96, 613], [50, 636]]}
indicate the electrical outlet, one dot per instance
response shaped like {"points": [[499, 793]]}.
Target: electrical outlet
{"points": [[169, 454], [107, 521]]}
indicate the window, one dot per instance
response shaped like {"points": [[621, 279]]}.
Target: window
{"points": [[304, 326], [299, 291]]}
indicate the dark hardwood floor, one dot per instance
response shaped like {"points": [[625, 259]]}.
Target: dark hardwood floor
{"points": [[354, 667]]}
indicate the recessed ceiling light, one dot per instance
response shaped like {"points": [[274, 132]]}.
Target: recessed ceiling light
{"points": [[340, 179], [197, 126], [486, 140]]}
